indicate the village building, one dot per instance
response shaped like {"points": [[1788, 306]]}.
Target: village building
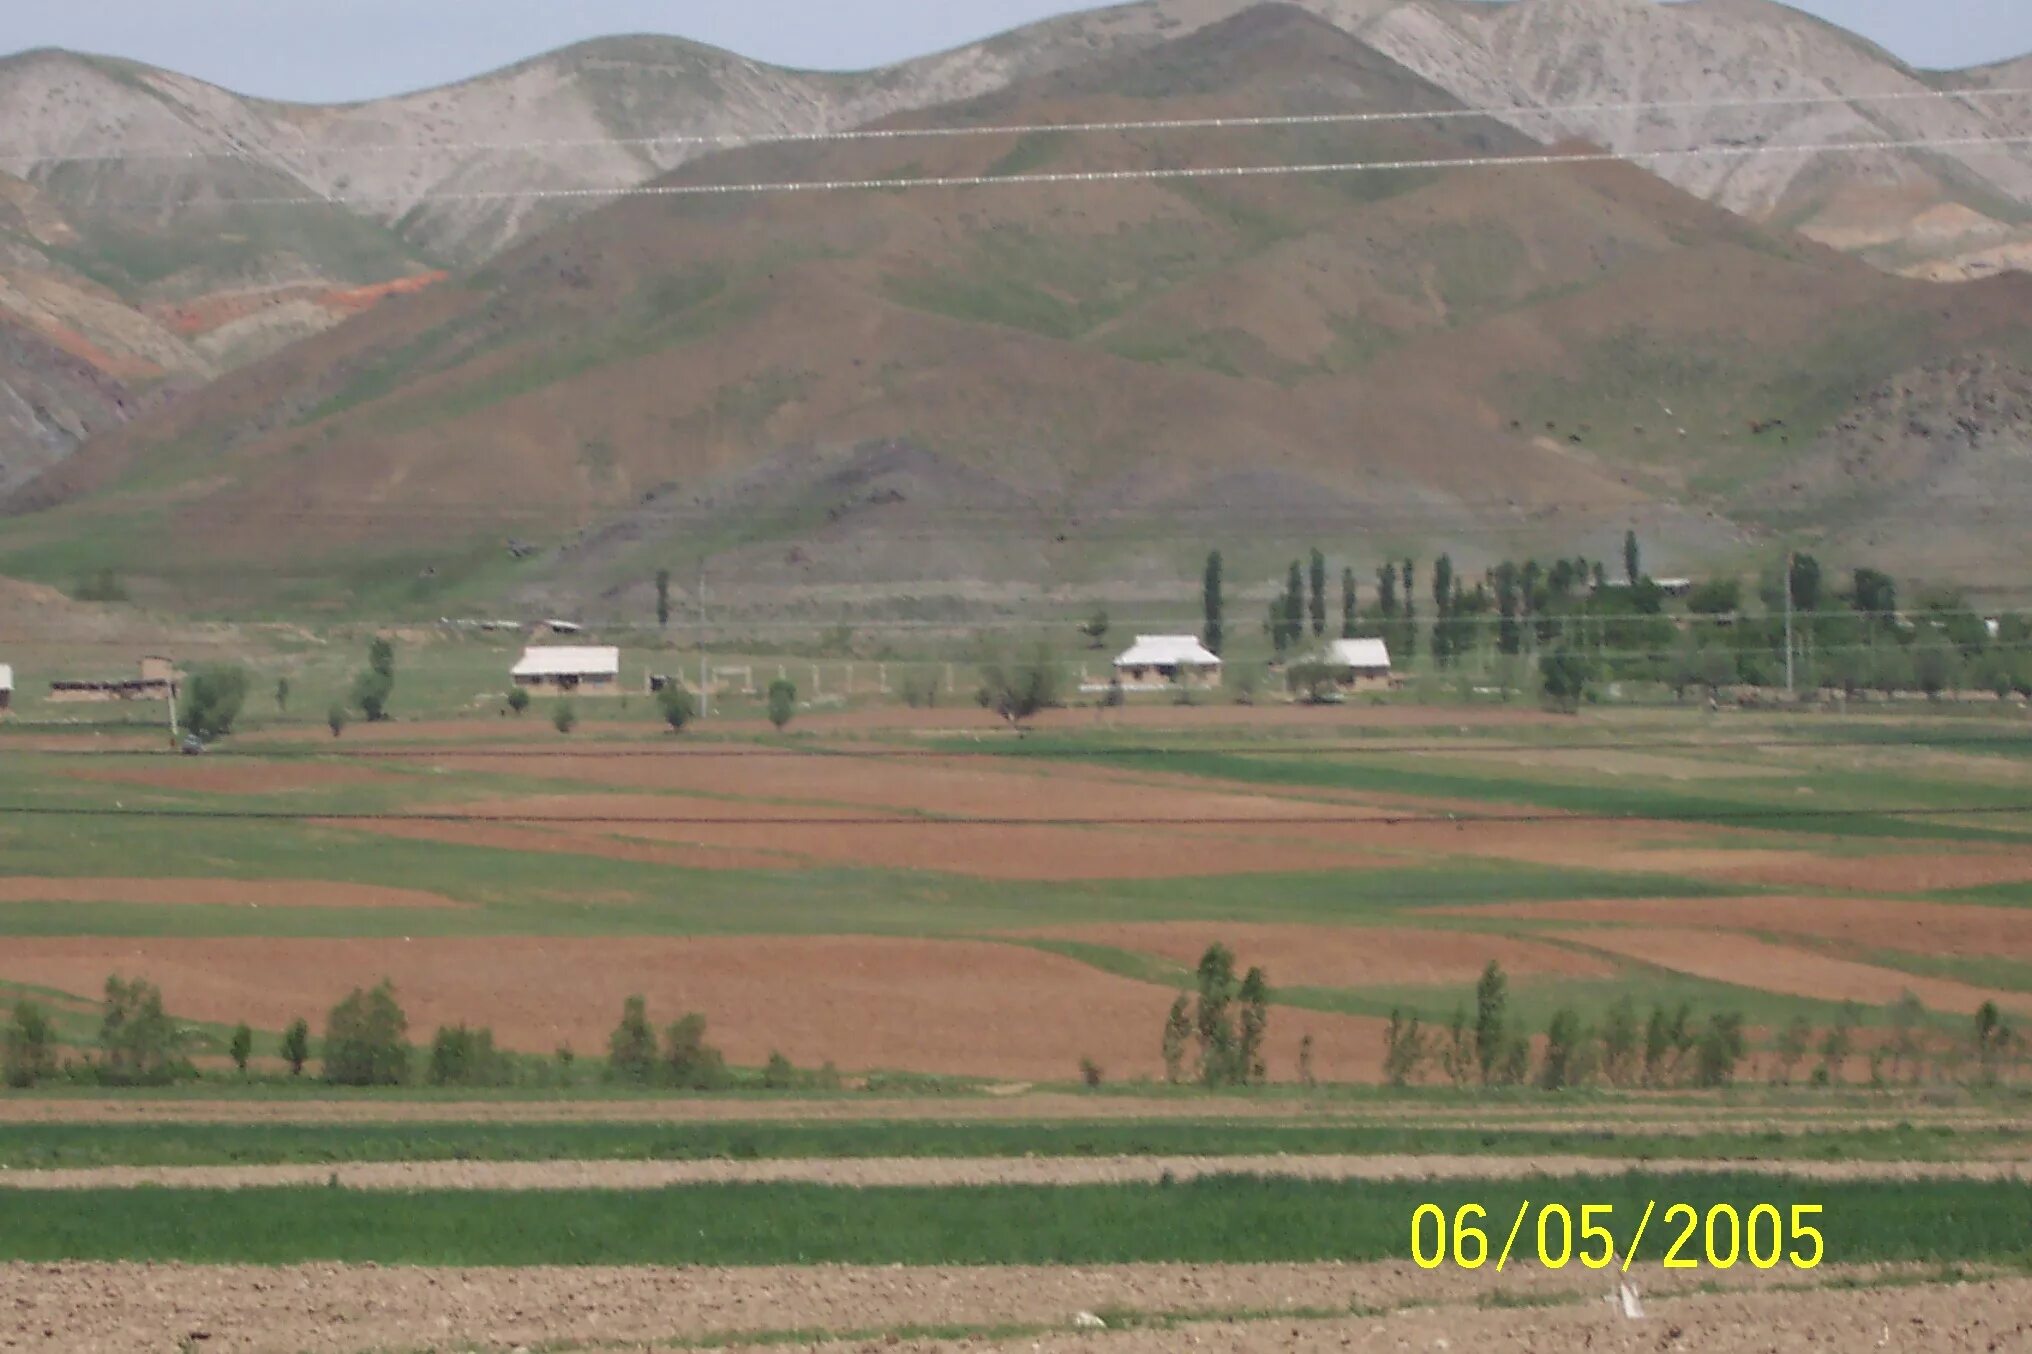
{"points": [[158, 680], [592, 669], [1157, 661], [1360, 664]]}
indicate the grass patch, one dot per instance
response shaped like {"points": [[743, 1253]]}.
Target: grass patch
{"points": [[1231, 1219]]}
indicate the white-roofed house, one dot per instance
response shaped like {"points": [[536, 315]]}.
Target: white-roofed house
{"points": [[1359, 664], [1154, 662], [6, 686], [590, 668]]}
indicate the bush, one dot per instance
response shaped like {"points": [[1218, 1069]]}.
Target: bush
{"points": [[335, 720], [1565, 675], [242, 1047], [102, 585], [211, 701], [1312, 682], [371, 691], [1404, 1049], [920, 690], [673, 703], [688, 1060], [564, 719], [296, 1045], [138, 1043], [1016, 691], [518, 699], [1090, 1074], [1719, 1050], [782, 702], [466, 1057], [777, 1073], [366, 1040], [1562, 1051], [28, 1048], [631, 1049]]}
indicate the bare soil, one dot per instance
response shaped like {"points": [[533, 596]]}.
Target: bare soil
{"points": [[932, 1172], [229, 778], [340, 1309], [1346, 956], [1916, 928], [172, 892], [945, 1006]]}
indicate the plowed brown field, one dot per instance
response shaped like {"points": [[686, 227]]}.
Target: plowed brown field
{"points": [[960, 1007], [174, 892], [1870, 923]]}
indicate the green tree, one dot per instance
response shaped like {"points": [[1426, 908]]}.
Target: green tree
{"points": [[460, 1056], [1350, 604], [1254, 996], [381, 657], [373, 687], [688, 1060], [1212, 1020], [1019, 690], [1875, 595], [1718, 1051], [1404, 1048], [296, 1045], [212, 698], [778, 1074], [1492, 1000], [1991, 1037], [335, 720], [139, 1044], [673, 703], [1457, 1054], [1211, 604], [1632, 561], [631, 1049], [1312, 681], [282, 695], [663, 599], [1293, 614], [1562, 1050], [367, 1039], [1716, 597], [1442, 611], [1564, 674], [782, 702], [518, 699], [1793, 1042], [1936, 666], [1318, 580], [1839, 1042], [241, 1048], [28, 1047], [1177, 1031], [1095, 628], [564, 718]]}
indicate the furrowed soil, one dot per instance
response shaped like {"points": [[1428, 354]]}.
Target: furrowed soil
{"points": [[339, 1309], [956, 1007], [931, 1172]]}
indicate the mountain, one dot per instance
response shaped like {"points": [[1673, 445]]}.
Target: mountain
{"points": [[199, 229], [925, 398]]}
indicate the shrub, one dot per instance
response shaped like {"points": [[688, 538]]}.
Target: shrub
{"points": [[1562, 1050], [138, 1043], [371, 691], [1090, 1074], [1718, 1051], [631, 1049], [1793, 1042], [1305, 1073], [688, 1060], [920, 690], [1565, 675], [673, 703], [335, 720], [242, 1047], [28, 1048], [1991, 1037], [212, 699], [1403, 1048], [518, 699], [296, 1045], [466, 1057], [782, 702], [1177, 1030], [564, 719], [1311, 681], [778, 1074], [366, 1040], [1018, 690]]}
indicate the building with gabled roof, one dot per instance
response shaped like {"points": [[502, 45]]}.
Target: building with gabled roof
{"points": [[1156, 661], [591, 668]]}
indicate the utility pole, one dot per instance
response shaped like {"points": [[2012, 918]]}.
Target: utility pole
{"points": [[705, 691], [1788, 623]]}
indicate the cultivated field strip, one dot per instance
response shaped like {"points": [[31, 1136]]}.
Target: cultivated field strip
{"points": [[930, 1172], [341, 1309]]}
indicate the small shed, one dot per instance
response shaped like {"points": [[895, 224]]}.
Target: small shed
{"points": [[1156, 661], [593, 669], [1359, 664], [6, 686]]}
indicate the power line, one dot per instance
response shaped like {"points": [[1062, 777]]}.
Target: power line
{"points": [[1113, 176], [734, 140], [1773, 813]]}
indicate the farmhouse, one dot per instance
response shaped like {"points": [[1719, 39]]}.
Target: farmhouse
{"points": [[6, 686], [592, 669], [158, 681], [1359, 664], [1157, 661]]}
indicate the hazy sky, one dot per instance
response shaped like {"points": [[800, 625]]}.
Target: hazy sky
{"points": [[322, 50]]}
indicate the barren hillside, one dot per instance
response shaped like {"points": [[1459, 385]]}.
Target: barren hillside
{"points": [[962, 393]]}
